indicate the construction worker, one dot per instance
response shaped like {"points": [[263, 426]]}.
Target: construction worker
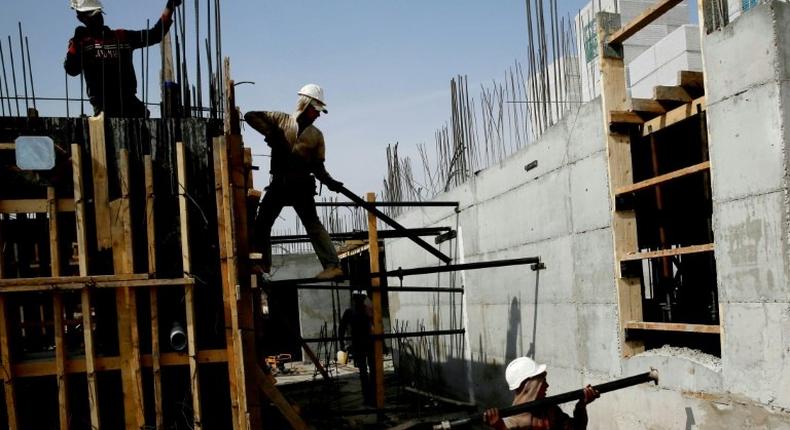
{"points": [[359, 317], [297, 158], [528, 381], [104, 57]]}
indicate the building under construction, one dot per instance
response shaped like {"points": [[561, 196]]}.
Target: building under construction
{"points": [[622, 234]]}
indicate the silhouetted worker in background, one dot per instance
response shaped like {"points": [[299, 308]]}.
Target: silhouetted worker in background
{"points": [[104, 57], [360, 318], [297, 159], [527, 380]]}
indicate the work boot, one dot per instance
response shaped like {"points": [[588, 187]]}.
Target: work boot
{"points": [[331, 272], [260, 268]]}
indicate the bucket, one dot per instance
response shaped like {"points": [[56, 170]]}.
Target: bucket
{"points": [[342, 357]]}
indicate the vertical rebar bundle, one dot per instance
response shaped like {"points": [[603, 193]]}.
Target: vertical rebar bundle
{"points": [[508, 115]]}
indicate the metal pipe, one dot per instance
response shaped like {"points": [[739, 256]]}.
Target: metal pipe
{"points": [[390, 204], [416, 239], [400, 273], [651, 376], [362, 235], [30, 71], [13, 75], [24, 67], [423, 333], [178, 337], [388, 290], [5, 78]]}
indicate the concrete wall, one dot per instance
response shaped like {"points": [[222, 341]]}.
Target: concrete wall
{"points": [[566, 315]]}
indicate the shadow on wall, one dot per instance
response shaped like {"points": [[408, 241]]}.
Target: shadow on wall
{"points": [[429, 364], [513, 330]]}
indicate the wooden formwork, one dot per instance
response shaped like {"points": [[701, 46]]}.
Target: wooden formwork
{"points": [[142, 224]]}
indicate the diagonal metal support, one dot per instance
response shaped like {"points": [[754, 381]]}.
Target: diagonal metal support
{"points": [[394, 224]]}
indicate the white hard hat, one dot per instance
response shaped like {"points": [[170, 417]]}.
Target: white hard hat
{"points": [[520, 369], [85, 5], [316, 93]]}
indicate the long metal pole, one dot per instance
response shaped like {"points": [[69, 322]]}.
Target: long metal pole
{"points": [[424, 333], [372, 209], [30, 72], [400, 273], [24, 67], [5, 79], [13, 75], [651, 376]]}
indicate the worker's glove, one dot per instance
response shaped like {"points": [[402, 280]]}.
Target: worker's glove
{"points": [[333, 184], [172, 4]]}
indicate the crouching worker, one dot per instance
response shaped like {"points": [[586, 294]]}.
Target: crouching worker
{"points": [[297, 159], [527, 380]]}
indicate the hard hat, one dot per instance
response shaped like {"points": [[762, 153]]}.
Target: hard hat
{"points": [[316, 93], [86, 5], [520, 369]]}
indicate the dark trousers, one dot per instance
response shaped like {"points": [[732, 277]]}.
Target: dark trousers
{"points": [[275, 198], [363, 360]]}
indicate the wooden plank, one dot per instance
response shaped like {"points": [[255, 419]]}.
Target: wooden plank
{"points": [[143, 283], [642, 20], [64, 280], [228, 291], [31, 206], [662, 179], [266, 384], [665, 94], [8, 375], [675, 327], [7, 146], [38, 367], [101, 191], [614, 96], [693, 249], [378, 324], [620, 118], [189, 291], [6, 370], [126, 300], [647, 107], [674, 116], [245, 312], [85, 298], [693, 82], [153, 296], [57, 312]]}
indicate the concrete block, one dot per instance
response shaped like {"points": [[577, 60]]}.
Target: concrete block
{"points": [[753, 36], [593, 267], [642, 66], [746, 147], [590, 207], [751, 249], [756, 349], [598, 338]]}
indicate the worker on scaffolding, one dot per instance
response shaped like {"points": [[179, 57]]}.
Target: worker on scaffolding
{"points": [[359, 317], [297, 159], [528, 381], [104, 57]]}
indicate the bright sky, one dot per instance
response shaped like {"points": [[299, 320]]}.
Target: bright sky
{"points": [[385, 66]]}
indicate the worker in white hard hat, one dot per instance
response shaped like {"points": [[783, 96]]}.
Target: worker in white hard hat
{"points": [[527, 379], [104, 58], [297, 159]]}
